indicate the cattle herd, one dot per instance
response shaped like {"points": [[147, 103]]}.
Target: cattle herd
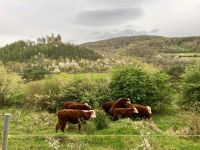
{"points": [[76, 112]]}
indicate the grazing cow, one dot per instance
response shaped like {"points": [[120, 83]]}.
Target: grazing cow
{"points": [[73, 116], [79, 106], [106, 106], [66, 104], [124, 112], [121, 103], [144, 112]]}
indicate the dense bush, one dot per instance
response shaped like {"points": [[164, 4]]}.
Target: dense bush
{"points": [[88, 90], [35, 72], [51, 93], [191, 88], [101, 120], [4, 86], [44, 94], [8, 84], [140, 86], [17, 96], [176, 70]]}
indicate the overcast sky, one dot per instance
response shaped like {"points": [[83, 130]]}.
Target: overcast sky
{"points": [[81, 21]]}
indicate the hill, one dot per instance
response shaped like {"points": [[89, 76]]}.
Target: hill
{"points": [[162, 52], [22, 51], [56, 57], [158, 43]]}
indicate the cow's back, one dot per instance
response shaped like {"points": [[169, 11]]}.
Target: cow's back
{"points": [[70, 115], [79, 107]]}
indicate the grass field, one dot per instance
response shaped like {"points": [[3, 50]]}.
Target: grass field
{"points": [[36, 130]]}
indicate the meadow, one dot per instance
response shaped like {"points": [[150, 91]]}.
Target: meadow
{"points": [[31, 129]]}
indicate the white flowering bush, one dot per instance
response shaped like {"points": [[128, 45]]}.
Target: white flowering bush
{"points": [[53, 143]]}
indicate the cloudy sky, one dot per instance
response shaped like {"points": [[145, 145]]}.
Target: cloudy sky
{"points": [[81, 21]]}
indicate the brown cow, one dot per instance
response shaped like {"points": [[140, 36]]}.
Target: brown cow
{"points": [[144, 112], [79, 106], [73, 116], [66, 104], [106, 106], [124, 112], [121, 103]]}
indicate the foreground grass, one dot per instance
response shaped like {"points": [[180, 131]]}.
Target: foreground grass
{"points": [[36, 130]]}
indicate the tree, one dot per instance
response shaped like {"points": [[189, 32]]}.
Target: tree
{"points": [[141, 87]]}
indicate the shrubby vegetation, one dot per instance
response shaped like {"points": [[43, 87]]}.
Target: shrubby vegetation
{"points": [[131, 81], [34, 72], [191, 88], [51, 93], [176, 70], [101, 121], [8, 85], [140, 86]]}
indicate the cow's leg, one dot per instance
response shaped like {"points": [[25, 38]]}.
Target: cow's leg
{"points": [[57, 126], [82, 120], [115, 118], [79, 124], [63, 124]]}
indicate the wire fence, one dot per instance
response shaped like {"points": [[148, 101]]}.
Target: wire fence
{"points": [[102, 135]]}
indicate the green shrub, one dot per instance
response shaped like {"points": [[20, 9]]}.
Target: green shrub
{"points": [[8, 83], [191, 88], [17, 97], [44, 94], [101, 120], [36, 72], [140, 86], [176, 70], [51, 93], [88, 90]]}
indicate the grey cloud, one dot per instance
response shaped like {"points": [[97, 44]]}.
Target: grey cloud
{"points": [[153, 31], [76, 20], [119, 3], [105, 17], [119, 33]]}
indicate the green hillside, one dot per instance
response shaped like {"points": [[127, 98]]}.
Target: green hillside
{"points": [[163, 52], [146, 43], [22, 51]]}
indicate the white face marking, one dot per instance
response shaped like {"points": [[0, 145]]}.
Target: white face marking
{"points": [[128, 102], [135, 110], [88, 105], [149, 109], [93, 114], [85, 110]]}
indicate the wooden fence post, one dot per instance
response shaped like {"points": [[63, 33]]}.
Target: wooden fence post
{"points": [[5, 131]]}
